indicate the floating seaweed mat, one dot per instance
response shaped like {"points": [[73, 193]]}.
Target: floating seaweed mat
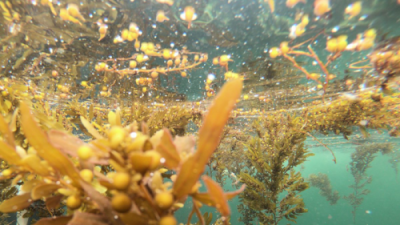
{"points": [[209, 136], [38, 139]]}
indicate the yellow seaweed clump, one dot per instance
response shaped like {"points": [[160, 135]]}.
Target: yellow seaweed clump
{"points": [[115, 177]]}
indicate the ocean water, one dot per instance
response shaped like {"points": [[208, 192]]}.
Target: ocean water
{"points": [[57, 56]]}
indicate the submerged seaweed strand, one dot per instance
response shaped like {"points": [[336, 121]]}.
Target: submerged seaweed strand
{"points": [[361, 160], [322, 182]]}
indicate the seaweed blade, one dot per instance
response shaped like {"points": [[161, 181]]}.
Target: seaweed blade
{"points": [[16, 203], [216, 192], [38, 139], [209, 136]]}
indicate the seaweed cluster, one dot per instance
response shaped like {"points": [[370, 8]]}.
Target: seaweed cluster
{"points": [[321, 181], [273, 184], [116, 178]]}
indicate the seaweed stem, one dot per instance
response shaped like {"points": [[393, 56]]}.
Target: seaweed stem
{"points": [[149, 199], [323, 67], [197, 210], [301, 53], [190, 216], [315, 139], [308, 40], [353, 65], [297, 65]]}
